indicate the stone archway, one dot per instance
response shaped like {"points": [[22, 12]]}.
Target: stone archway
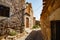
{"points": [[27, 22]]}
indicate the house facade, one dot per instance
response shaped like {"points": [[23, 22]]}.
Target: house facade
{"points": [[11, 12], [28, 16], [50, 18], [34, 21]]}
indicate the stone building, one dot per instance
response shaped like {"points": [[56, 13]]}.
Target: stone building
{"points": [[11, 15], [34, 20], [50, 18], [28, 16], [37, 22]]}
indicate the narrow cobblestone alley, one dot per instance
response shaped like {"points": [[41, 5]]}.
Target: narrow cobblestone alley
{"points": [[29, 19], [35, 35]]}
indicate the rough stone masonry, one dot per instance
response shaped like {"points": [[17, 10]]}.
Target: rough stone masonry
{"points": [[14, 19]]}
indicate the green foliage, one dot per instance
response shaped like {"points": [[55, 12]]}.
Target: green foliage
{"points": [[35, 26], [12, 33]]}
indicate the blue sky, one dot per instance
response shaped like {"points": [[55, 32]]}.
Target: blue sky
{"points": [[37, 7]]}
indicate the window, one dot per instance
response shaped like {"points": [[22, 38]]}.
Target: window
{"points": [[4, 11]]}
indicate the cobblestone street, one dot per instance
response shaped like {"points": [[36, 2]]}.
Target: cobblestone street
{"points": [[35, 35]]}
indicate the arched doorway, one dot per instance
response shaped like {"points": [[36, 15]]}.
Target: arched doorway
{"points": [[27, 22]]}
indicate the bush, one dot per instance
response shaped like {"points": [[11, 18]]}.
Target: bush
{"points": [[35, 26], [12, 33]]}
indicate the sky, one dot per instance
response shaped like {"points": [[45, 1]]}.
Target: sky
{"points": [[37, 7]]}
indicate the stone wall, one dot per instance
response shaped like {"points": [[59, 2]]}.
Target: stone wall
{"points": [[34, 20], [14, 21], [50, 12]]}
